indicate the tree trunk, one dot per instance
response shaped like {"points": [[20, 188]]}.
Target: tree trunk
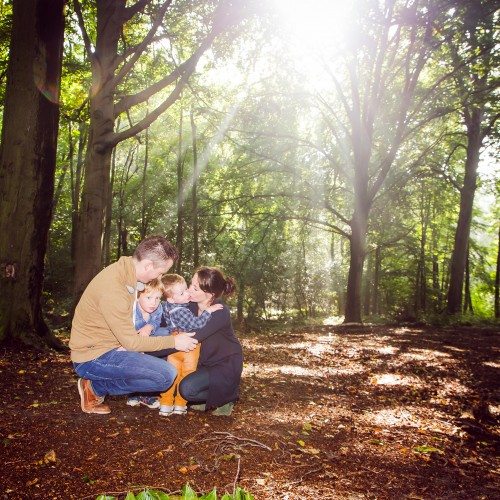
{"points": [[76, 182], [144, 216], [376, 282], [194, 194], [356, 261], [459, 255], [368, 284], [240, 302], [179, 239], [497, 280], [108, 219], [27, 165], [468, 298], [98, 159]]}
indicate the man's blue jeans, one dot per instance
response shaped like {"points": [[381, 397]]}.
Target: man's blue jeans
{"points": [[125, 372]]}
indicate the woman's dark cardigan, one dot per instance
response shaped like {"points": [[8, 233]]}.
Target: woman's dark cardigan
{"points": [[221, 355]]}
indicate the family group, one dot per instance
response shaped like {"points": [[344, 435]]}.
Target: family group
{"points": [[142, 332]]}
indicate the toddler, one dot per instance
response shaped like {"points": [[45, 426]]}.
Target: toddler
{"points": [[147, 318]]}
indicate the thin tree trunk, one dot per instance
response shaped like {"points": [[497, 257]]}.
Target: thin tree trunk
{"points": [[367, 287], [106, 243], [144, 220], [468, 299], [27, 161], [196, 174], [497, 280], [76, 182], [376, 282], [179, 239]]}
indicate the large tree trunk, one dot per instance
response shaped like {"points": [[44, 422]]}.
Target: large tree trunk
{"points": [[459, 256], [357, 258], [109, 70], [98, 159], [27, 165]]}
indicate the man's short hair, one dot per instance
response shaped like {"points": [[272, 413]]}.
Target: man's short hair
{"points": [[157, 249]]}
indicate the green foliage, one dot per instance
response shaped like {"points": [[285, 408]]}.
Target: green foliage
{"points": [[187, 493], [274, 195]]}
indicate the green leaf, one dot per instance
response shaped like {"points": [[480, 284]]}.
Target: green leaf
{"points": [[130, 496], [152, 495], [241, 494], [106, 497], [188, 493], [212, 495], [427, 449]]}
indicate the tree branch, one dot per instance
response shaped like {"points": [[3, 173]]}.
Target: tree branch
{"points": [[142, 46], [81, 24]]}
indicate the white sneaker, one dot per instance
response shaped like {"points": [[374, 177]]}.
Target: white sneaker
{"points": [[179, 410], [165, 410], [133, 401]]}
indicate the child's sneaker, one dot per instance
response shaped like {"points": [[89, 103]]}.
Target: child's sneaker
{"points": [[179, 410], [166, 410], [149, 401], [133, 400]]}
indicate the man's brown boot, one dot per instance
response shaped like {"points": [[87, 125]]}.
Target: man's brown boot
{"points": [[91, 403]]}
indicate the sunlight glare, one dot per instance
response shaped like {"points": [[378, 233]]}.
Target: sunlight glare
{"points": [[315, 24]]}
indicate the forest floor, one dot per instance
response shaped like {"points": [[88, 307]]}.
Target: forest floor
{"points": [[325, 412]]}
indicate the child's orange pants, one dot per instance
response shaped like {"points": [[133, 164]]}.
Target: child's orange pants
{"points": [[185, 363]]}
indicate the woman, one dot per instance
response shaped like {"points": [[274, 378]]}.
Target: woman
{"points": [[216, 381]]}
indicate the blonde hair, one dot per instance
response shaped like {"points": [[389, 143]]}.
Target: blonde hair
{"points": [[153, 286], [168, 281]]}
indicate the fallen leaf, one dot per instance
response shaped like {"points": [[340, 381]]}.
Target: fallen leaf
{"points": [[50, 457]]}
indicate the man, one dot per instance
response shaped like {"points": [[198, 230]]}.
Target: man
{"points": [[106, 351]]}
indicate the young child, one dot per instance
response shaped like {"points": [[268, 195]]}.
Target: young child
{"points": [[179, 317], [147, 318]]}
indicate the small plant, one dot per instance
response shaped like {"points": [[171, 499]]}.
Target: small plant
{"points": [[187, 493]]}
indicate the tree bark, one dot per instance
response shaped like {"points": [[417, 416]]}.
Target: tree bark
{"points": [[27, 166], [356, 261], [462, 232]]}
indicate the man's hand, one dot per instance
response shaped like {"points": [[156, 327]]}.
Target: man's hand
{"points": [[145, 331], [184, 342]]}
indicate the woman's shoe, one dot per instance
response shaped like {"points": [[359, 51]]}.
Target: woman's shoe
{"points": [[201, 407], [224, 410]]}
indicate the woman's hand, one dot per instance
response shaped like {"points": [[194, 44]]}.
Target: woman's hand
{"points": [[185, 342], [145, 331], [215, 307]]}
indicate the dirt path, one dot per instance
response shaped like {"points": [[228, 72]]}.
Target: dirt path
{"points": [[326, 413]]}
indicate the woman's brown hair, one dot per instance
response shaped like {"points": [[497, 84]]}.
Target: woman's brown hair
{"points": [[212, 281]]}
